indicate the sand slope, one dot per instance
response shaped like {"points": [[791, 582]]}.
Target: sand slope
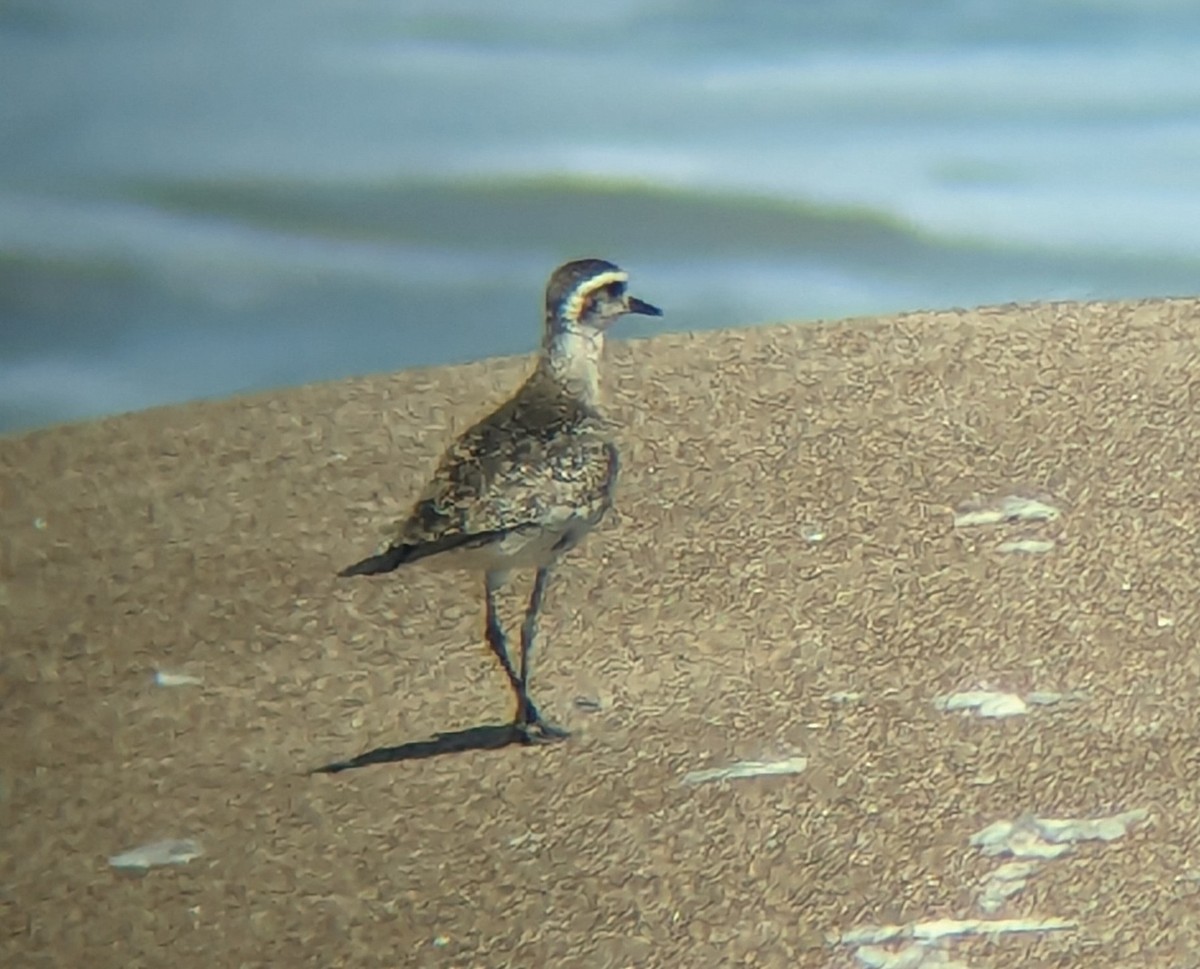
{"points": [[785, 578]]}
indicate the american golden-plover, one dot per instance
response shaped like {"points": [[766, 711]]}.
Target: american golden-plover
{"points": [[527, 483]]}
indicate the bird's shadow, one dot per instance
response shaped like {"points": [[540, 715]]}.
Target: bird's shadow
{"points": [[491, 736]]}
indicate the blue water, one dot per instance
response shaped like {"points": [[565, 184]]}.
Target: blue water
{"points": [[198, 199]]}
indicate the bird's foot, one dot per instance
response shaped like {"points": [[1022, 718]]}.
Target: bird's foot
{"points": [[539, 731]]}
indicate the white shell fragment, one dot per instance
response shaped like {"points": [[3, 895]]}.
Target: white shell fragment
{"points": [[1007, 880], [995, 835], [1017, 840], [169, 851], [1030, 840], [747, 768], [1034, 840], [935, 929], [1093, 829], [999, 703], [1051, 837], [1010, 508], [925, 945], [163, 678], [1027, 546], [812, 533], [986, 703], [1047, 698]]}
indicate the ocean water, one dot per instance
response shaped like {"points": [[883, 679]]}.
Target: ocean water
{"points": [[199, 199]]}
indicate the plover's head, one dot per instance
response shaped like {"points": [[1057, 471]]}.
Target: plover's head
{"points": [[589, 295]]}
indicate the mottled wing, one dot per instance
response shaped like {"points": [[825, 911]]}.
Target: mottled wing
{"points": [[540, 462], [532, 466]]}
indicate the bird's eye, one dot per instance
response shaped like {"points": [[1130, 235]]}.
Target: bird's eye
{"points": [[615, 290]]}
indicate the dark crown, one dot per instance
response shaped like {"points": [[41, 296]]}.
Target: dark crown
{"points": [[569, 278]]}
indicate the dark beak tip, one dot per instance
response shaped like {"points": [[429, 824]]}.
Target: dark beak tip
{"points": [[643, 308]]}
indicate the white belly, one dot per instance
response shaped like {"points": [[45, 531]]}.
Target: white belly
{"points": [[530, 548]]}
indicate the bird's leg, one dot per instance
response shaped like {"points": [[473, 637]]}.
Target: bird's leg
{"points": [[526, 711], [534, 729]]}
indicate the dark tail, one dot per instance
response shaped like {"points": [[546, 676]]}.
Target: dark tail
{"points": [[385, 561], [397, 555]]}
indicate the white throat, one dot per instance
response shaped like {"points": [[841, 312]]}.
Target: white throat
{"points": [[572, 357]]}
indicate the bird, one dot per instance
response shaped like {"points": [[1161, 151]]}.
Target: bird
{"points": [[525, 484]]}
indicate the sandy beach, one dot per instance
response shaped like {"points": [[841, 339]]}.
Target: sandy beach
{"points": [[942, 570]]}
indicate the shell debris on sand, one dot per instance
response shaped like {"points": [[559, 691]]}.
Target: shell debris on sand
{"points": [[1026, 546], [1032, 837], [1003, 883], [987, 703], [998, 704], [923, 945], [155, 854], [931, 930], [1010, 508], [1032, 841], [164, 678], [747, 768], [812, 533]]}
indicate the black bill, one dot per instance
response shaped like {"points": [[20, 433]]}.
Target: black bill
{"points": [[640, 306]]}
